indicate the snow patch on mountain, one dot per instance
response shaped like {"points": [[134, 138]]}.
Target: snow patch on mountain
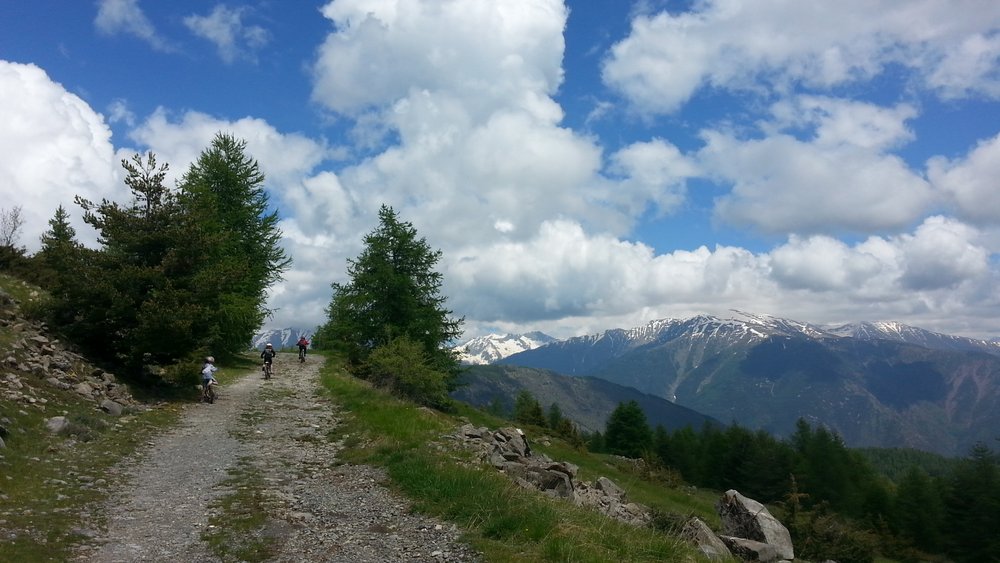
{"points": [[280, 337], [492, 347]]}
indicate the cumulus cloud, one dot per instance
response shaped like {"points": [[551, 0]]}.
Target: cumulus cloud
{"points": [[822, 166], [478, 152], [125, 16], [232, 37], [55, 146], [950, 48], [971, 182]]}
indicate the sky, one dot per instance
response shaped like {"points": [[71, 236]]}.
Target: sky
{"points": [[581, 165]]}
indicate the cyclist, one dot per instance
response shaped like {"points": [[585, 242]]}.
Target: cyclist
{"points": [[208, 380], [303, 344], [268, 356]]}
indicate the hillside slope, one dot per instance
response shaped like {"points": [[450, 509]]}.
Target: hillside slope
{"points": [[587, 401]]}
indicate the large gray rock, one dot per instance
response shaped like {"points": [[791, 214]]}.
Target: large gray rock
{"points": [[746, 518], [111, 407], [750, 550], [697, 533]]}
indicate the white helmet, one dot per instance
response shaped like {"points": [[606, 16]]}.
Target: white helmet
{"points": [[269, 345], [210, 359]]}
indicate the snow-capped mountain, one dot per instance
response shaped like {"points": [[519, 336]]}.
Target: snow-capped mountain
{"points": [[493, 347], [281, 337], [891, 330], [876, 383]]}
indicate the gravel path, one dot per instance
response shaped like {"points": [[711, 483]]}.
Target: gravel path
{"points": [[317, 510]]}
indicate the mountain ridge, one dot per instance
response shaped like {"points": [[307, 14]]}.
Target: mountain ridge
{"points": [[877, 384]]}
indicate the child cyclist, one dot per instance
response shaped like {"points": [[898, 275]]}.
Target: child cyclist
{"points": [[208, 380]]}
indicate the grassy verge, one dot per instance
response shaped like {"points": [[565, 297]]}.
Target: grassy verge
{"points": [[502, 520]]}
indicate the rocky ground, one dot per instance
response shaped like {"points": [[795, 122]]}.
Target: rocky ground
{"points": [[275, 432]]}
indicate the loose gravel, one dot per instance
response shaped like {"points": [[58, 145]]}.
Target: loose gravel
{"points": [[318, 509]]}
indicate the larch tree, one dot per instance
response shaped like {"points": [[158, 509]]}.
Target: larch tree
{"points": [[239, 241], [393, 292]]}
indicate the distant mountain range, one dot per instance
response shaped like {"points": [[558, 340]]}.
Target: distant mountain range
{"points": [[493, 347], [878, 384], [281, 337]]}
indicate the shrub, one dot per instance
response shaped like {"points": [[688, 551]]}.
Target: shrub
{"points": [[402, 366]]}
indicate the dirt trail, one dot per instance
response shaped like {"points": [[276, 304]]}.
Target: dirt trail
{"points": [[317, 510]]}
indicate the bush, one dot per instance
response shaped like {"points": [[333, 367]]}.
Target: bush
{"points": [[402, 366], [827, 537]]}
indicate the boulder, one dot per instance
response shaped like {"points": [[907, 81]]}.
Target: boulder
{"points": [[750, 550], [56, 424], [111, 407], [746, 518], [697, 533]]}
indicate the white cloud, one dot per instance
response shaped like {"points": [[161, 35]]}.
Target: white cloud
{"points": [[942, 254], [653, 171], [972, 182], [125, 16], [949, 47], [567, 282], [487, 53], [839, 177], [55, 147], [225, 28]]}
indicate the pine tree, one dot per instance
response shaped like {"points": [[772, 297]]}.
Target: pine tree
{"points": [[59, 258], [130, 298], [393, 292], [627, 432], [527, 410]]}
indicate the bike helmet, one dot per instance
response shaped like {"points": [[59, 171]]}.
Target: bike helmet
{"points": [[269, 345], [210, 359]]}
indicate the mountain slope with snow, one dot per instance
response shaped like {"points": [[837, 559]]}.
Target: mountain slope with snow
{"points": [[494, 347]]}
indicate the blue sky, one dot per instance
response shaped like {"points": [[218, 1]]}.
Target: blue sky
{"points": [[582, 165]]}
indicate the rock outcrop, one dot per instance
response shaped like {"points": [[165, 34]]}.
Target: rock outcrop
{"points": [[749, 532], [507, 450], [746, 519], [34, 366]]}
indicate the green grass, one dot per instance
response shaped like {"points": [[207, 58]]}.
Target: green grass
{"points": [[502, 520], [238, 527], [48, 481]]}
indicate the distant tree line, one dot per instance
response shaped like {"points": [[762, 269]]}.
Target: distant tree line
{"points": [[179, 273], [835, 503]]}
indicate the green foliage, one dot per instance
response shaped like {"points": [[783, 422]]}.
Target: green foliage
{"points": [[402, 366], [502, 520], [627, 432], [527, 410], [393, 292], [179, 273], [238, 242], [919, 511], [826, 536], [973, 507]]}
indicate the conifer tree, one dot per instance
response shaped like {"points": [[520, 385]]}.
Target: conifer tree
{"points": [[393, 291], [59, 258], [627, 432], [237, 238]]}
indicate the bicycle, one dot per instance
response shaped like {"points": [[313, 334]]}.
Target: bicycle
{"points": [[302, 355], [208, 394], [267, 370]]}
